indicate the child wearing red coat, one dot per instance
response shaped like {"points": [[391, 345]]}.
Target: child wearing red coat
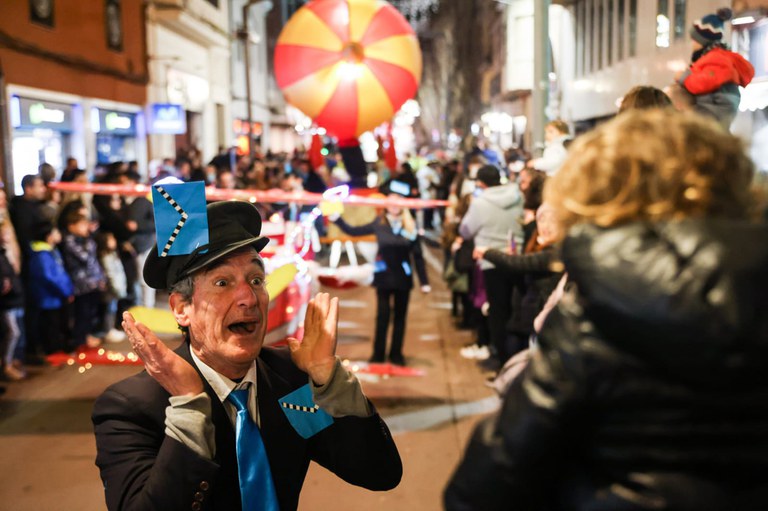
{"points": [[716, 72]]}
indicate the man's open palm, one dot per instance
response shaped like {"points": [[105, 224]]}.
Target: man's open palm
{"points": [[316, 353]]}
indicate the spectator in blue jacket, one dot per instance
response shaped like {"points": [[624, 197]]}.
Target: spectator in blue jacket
{"points": [[49, 285], [82, 262]]}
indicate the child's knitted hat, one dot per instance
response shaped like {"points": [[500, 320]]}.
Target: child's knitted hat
{"points": [[709, 28]]}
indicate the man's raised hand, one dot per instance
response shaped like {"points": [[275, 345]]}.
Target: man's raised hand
{"points": [[171, 371], [316, 353]]}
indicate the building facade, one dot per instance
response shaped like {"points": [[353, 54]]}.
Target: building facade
{"points": [[188, 95], [74, 76]]}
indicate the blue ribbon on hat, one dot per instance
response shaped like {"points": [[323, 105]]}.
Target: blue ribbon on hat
{"points": [[181, 217]]}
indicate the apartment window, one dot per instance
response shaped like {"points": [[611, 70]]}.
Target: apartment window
{"points": [[585, 37], [662, 24], [592, 42], [609, 43], [679, 19], [600, 32], [620, 26], [632, 28], [41, 12], [578, 55], [113, 23]]}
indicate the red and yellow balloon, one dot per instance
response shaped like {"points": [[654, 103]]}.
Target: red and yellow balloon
{"points": [[348, 64]]}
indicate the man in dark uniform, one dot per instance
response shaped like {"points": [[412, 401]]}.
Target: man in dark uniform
{"points": [[170, 437]]}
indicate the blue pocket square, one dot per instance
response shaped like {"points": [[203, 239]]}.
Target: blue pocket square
{"points": [[305, 416]]}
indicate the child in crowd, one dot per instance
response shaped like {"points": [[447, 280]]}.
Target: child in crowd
{"points": [[106, 247], [556, 133], [49, 285], [399, 255], [716, 73], [82, 263], [11, 302]]}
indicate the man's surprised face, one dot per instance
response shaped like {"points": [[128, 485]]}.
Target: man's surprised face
{"points": [[227, 316]]}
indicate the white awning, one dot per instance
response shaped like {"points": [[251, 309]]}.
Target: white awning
{"points": [[754, 96]]}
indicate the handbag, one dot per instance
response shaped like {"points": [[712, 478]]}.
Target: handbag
{"points": [[462, 259]]}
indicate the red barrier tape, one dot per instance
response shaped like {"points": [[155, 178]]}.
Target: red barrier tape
{"points": [[262, 196]]}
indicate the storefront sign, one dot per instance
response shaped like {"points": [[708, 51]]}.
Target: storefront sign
{"points": [[114, 123], [167, 118], [240, 127], [32, 113]]}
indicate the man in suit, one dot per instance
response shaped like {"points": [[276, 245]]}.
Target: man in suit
{"points": [[169, 437]]}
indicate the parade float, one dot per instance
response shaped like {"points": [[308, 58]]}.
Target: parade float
{"points": [[360, 65]]}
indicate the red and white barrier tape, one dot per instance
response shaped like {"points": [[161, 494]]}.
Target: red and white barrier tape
{"points": [[254, 196]]}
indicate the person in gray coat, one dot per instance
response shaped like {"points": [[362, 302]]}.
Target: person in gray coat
{"points": [[494, 221]]}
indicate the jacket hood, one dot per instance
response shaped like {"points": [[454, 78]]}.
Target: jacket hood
{"points": [[743, 69], [683, 295], [503, 196]]}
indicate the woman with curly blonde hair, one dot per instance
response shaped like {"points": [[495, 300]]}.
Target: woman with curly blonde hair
{"points": [[648, 390]]}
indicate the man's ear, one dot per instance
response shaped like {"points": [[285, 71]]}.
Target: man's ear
{"points": [[179, 309]]}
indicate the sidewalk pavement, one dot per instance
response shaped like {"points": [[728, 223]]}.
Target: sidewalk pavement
{"points": [[48, 448]]}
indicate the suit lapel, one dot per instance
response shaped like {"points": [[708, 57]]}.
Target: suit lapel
{"points": [[286, 450], [226, 453]]}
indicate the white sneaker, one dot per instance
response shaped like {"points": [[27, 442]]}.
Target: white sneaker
{"points": [[114, 336], [482, 353], [469, 352]]}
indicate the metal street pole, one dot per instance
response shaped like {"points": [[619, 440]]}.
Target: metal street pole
{"points": [[541, 68], [246, 38], [5, 143]]}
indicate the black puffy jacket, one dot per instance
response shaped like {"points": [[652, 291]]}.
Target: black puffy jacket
{"points": [[650, 386]]}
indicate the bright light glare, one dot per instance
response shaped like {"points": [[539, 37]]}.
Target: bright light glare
{"points": [[349, 70], [744, 20]]}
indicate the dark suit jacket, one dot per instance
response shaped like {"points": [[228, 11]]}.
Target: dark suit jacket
{"points": [[394, 252], [143, 469]]}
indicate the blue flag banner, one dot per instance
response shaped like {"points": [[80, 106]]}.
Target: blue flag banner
{"points": [[181, 217], [305, 416]]}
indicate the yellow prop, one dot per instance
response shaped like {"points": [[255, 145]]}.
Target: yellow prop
{"points": [[328, 208], [161, 321]]}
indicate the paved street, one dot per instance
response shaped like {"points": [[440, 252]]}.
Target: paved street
{"points": [[48, 449]]}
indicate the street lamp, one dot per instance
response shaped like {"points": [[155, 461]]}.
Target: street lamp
{"points": [[244, 35]]}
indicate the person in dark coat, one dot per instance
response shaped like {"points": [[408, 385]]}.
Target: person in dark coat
{"points": [[540, 269], [166, 437], [399, 253], [28, 211], [648, 389], [141, 215]]}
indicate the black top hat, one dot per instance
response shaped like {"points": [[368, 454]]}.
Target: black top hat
{"points": [[231, 225]]}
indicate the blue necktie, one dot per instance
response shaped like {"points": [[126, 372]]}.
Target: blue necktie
{"points": [[257, 490]]}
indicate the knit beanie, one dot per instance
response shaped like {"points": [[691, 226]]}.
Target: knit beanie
{"points": [[709, 29]]}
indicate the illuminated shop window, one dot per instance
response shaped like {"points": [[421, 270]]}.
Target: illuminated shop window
{"points": [[662, 24]]}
